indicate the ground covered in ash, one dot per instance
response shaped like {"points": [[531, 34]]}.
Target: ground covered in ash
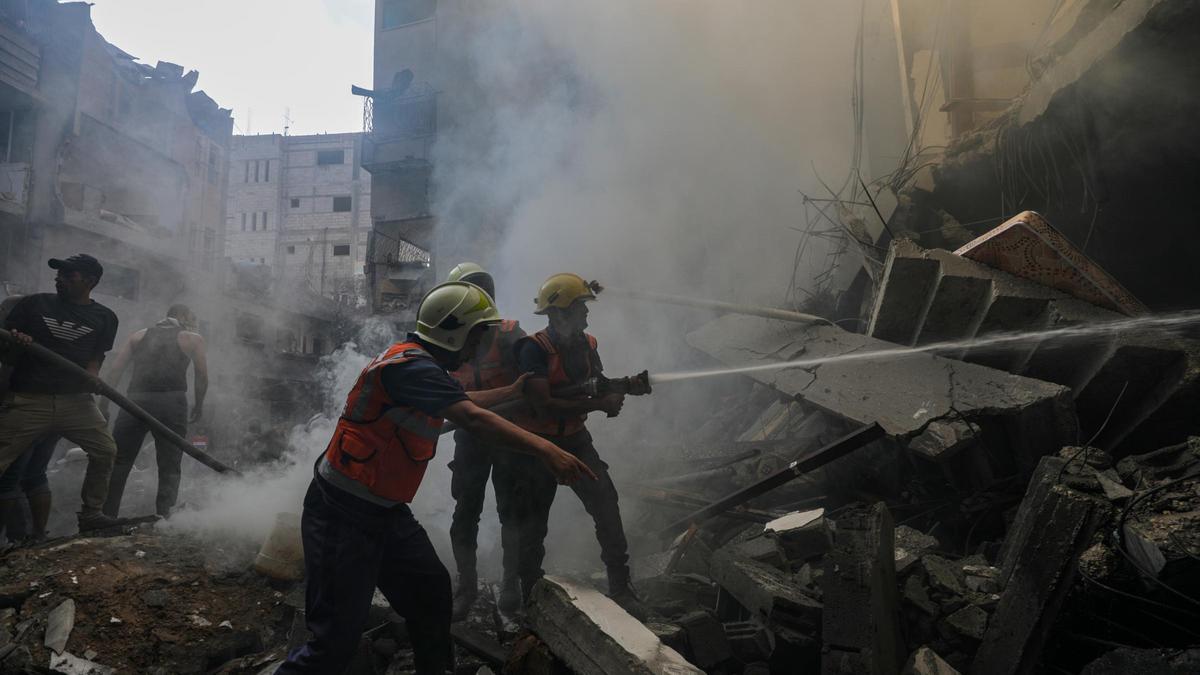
{"points": [[146, 602]]}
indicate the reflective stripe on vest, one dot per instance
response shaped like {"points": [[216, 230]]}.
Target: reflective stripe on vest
{"points": [[491, 368], [382, 446], [557, 375]]}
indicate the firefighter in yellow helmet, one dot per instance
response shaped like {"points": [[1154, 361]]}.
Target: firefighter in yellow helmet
{"points": [[560, 355], [475, 459], [357, 529]]}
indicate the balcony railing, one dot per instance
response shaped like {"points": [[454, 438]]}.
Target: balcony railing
{"points": [[398, 132], [14, 182]]}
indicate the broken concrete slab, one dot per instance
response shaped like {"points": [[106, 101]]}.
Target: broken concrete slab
{"points": [[594, 636], [1059, 524], [861, 621], [925, 661], [903, 393], [768, 593], [793, 520], [59, 624], [969, 622]]}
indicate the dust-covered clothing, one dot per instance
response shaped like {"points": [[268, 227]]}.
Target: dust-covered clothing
{"points": [[170, 408]]}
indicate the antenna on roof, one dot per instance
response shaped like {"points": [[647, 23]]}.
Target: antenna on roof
{"points": [[248, 120], [287, 120]]}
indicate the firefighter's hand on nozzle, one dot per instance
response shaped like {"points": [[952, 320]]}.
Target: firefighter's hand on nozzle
{"points": [[611, 404], [567, 468], [21, 338]]}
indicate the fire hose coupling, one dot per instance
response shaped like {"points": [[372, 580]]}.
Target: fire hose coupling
{"points": [[633, 385]]}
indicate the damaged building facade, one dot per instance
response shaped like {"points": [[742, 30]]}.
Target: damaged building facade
{"points": [[130, 163]]}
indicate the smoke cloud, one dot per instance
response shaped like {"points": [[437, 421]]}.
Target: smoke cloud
{"points": [[658, 146]]}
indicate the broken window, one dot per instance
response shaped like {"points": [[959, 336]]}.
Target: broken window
{"points": [[341, 249], [122, 282], [327, 157], [341, 204], [400, 12]]}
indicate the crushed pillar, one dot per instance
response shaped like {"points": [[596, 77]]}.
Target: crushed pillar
{"points": [[594, 636], [1053, 526], [861, 623]]}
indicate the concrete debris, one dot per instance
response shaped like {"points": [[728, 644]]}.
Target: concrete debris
{"points": [[766, 592], [67, 663], [707, 644], [793, 521], [861, 622], [59, 623], [594, 636], [925, 661]]}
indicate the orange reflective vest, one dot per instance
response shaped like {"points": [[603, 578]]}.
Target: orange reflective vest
{"points": [[494, 364], [380, 445], [557, 374]]}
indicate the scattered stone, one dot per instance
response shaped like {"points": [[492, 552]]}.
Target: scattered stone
{"points": [[942, 575], [59, 624], [969, 622], [748, 641], [91, 654], [982, 578], [1113, 489], [911, 544], [916, 594], [925, 661], [671, 635], [594, 636], [226, 624], [1129, 661], [199, 621], [155, 598]]}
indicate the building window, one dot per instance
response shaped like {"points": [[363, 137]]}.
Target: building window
{"points": [[295, 203], [247, 179], [341, 249], [254, 222], [214, 167], [243, 222], [341, 204], [256, 171], [291, 250], [327, 157], [264, 220], [400, 12], [266, 171], [119, 281]]}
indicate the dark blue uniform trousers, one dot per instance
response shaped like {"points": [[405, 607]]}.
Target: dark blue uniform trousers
{"points": [[346, 555]]}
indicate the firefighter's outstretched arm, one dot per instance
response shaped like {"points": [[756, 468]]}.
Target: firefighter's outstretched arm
{"points": [[489, 426]]}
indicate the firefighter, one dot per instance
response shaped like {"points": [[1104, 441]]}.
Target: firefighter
{"points": [[564, 354], [357, 529], [494, 365]]}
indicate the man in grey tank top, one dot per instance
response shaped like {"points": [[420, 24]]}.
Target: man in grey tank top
{"points": [[159, 356]]}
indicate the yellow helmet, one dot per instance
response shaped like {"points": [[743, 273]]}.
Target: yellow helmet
{"points": [[473, 273], [563, 289], [449, 312]]}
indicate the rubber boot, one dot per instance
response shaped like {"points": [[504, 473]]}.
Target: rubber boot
{"points": [[10, 513], [509, 600], [620, 590], [39, 511], [464, 597]]}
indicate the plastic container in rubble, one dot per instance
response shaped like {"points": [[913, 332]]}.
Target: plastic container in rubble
{"points": [[282, 554]]}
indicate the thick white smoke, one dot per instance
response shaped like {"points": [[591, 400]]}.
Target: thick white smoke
{"points": [[658, 146]]}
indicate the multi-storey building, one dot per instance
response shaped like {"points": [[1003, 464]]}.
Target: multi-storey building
{"points": [[105, 155], [300, 205]]}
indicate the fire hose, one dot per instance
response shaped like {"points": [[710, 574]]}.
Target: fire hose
{"points": [[99, 386], [633, 385]]}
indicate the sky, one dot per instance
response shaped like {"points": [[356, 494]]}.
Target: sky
{"points": [[259, 58]]}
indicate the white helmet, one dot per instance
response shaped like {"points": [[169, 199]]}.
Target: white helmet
{"points": [[449, 312]]}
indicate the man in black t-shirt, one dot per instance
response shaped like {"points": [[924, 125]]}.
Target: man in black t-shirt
{"points": [[43, 399]]}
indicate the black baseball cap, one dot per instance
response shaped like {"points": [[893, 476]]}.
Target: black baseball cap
{"points": [[80, 262]]}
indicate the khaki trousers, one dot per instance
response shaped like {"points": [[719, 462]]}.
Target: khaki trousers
{"points": [[26, 418]]}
